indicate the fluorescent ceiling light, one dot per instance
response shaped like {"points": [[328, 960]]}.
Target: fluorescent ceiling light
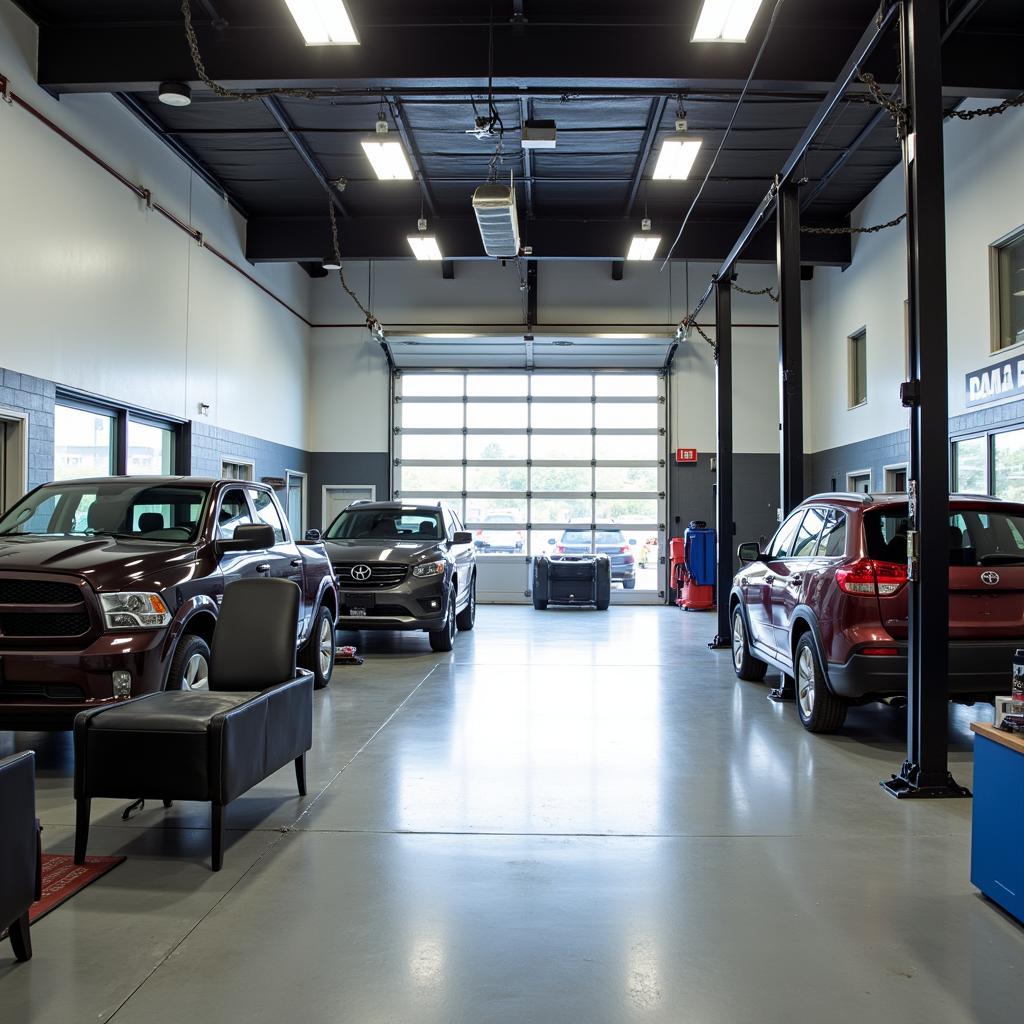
{"points": [[323, 22], [725, 21], [388, 160], [675, 161], [425, 247], [643, 247]]}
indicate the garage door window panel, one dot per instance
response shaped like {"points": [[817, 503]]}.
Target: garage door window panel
{"points": [[625, 385], [424, 479], [562, 479], [432, 385], [562, 415], [497, 447], [628, 415], [496, 478], [431, 447], [479, 510], [497, 385], [562, 511], [562, 447], [433, 415]]}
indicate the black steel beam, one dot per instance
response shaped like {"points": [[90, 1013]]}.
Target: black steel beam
{"points": [[861, 52], [292, 239], [298, 143], [531, 293], [413, 153], [791, 398], [724, 489], [98, 56], [967, 10], [925, 772], [525, 114], [865, 133], [654, 116]]}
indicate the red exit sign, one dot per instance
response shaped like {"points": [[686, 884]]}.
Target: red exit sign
{"points": [[686, 455]]}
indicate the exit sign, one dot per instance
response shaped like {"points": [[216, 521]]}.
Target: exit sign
{"points": [[686, 455]]}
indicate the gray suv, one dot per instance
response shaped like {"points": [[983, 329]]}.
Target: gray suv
{"points": [[404, 566]]}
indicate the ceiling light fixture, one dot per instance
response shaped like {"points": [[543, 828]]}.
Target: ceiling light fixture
{"points": [[323, 22], [725, 21], [174, 94], [675, 161], [387, 156], [331, 263], [425, 247], [644, 246]]}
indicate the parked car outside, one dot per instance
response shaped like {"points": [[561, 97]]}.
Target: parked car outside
{"points": [[826, 603], [110, 587], [406, 567], [489, 541], [580, 541]]}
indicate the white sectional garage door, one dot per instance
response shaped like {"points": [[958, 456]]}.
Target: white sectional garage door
{"points": [[540, 462]]}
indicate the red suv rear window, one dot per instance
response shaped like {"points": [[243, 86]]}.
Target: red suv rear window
{"points": [[976, 536]]}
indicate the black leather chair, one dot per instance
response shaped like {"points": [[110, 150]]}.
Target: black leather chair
{"points": [[208, 745], [20, 862]]}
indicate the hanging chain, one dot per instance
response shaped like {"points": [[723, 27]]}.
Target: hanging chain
{"points": [[1001, 108], [899, 113], [371, 321], [689, 321], [770, 292], [808, 230]]}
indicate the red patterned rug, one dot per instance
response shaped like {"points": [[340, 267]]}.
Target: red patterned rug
{"points": [[62, 878]]}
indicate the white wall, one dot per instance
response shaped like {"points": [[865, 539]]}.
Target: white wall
{"points": [[99, 294], [984, 201], [348, 373]]}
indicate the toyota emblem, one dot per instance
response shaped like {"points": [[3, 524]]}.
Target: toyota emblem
{"points": [[363, 572], [991, 578]]}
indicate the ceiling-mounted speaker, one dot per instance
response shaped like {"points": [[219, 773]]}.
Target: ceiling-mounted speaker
{"points": [[497, 218]]}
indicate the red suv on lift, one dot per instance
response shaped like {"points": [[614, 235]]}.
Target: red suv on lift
{"points": [[826, 604]]}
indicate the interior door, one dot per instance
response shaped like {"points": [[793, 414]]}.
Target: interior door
{"points": [[337, 497]]}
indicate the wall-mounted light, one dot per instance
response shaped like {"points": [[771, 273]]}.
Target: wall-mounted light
{"points": [[386, 156], [725, 21], [644, 246], [323, 22], [675, 161], [174, 94]]}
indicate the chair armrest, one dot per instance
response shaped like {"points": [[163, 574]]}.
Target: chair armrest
{"points": [[83, 722]]}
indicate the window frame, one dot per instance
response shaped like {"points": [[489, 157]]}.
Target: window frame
{"points": [[854, 474], [122, 414], [854, 340], [995, 251], [238, 460]]}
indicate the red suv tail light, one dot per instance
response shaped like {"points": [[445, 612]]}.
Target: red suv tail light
{"points": [[560, 548], [624, 550], [872, 578]]}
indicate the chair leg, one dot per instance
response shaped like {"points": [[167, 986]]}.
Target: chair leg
{"points": [[217, 836], [300, 773], [168, 803], [20, 938], [82, 828]]}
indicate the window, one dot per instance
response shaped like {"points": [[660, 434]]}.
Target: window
{"points": [[359, 524], [806, 542], [237, 469], [857, 345], [859, 482], [970, 466], [1008, 465], [833, 536], [150, 449], [83, 442], [1007, 260], [896, 479], [782, 542], [234, 511], [266, 512]]}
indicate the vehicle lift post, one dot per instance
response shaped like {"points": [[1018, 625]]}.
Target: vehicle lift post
{"points": [[723, 491], [925, 772]]}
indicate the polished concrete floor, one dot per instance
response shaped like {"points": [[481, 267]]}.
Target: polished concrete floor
{"points": [[576, 816]]}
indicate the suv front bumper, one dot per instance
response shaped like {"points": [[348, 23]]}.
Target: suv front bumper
{"points": [[414, 604], [978, 670]]}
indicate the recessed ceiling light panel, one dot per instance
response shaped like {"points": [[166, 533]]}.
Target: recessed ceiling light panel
{"points": [[425, 247], [725, 21], [387, 159], [643, 247], [675, 161], [323, 22]]}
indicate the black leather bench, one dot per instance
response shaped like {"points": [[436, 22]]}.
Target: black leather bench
{"points": [[20, 861], [208, 745]]}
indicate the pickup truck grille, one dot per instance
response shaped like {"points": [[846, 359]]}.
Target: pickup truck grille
{"points": [[382, 575], [41, 608]]}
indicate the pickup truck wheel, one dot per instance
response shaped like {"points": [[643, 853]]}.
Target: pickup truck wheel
{"points": [[443, 639], [190, 666], [318, 653], [819, 708], [467, 617], [746, 665]]}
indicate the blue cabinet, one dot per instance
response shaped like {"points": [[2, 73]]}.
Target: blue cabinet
{"points": [[997, 833]]}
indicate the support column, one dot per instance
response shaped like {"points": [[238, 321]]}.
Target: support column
{"points": [[791, 402], [723, 492], [925, 771]]}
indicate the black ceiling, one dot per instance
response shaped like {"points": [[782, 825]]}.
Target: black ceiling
{"points": [[608, 73]]}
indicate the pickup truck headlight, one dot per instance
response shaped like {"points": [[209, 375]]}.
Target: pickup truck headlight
{"points": [[134, 611], [430, 569]]}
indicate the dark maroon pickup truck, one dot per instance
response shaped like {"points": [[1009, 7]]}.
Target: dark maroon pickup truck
{"points": [[110, 588]]}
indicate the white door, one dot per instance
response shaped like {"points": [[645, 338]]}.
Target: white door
{"points": [[337, 497]]}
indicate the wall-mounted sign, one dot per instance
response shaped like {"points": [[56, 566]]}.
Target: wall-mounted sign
{"points": [[1001, 380], [277, 482], [686, 455]]}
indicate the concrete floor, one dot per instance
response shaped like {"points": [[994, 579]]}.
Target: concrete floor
{"points": [[575, 816]]}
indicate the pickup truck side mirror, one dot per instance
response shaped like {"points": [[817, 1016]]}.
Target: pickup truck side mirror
{"points": [[248, 537], [749, 552], [313, 535], [462, 537]]}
